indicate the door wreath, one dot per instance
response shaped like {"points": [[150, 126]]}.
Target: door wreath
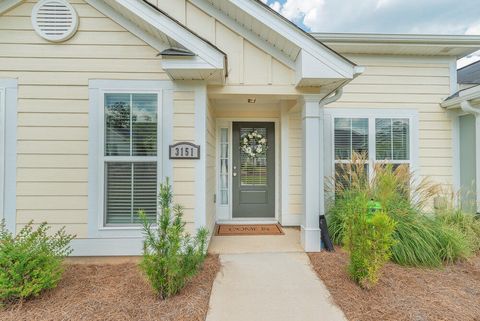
{"points": [[253, 144]]}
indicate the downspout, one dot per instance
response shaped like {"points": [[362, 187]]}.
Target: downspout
{"points": [[468, 108], [322, 223]]}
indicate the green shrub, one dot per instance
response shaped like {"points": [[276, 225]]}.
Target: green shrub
{"points": [[420, 239], [31, 261], [368, 241], [170, 256], [466, 223]]}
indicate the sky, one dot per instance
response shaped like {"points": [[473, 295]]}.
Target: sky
{"points": [[453, 17]]}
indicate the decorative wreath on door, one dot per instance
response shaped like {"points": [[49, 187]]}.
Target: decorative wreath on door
{"points": [[253, 144]]}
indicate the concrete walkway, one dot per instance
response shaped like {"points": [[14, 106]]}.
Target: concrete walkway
{"points": [[268, 278]]}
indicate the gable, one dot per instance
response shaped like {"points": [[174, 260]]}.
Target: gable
{"points": [[233, 42], [293, 57]]}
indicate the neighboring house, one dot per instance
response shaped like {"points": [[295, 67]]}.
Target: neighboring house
{"points": [[94, 92], [465, 105]]}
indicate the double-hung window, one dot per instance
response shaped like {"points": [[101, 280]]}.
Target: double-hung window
{"points": [[378, 139], [130, 147]]}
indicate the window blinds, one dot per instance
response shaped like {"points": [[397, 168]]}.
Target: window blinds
{"points": [[130, 143]]}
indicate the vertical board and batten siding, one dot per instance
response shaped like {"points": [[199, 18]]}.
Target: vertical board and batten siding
{"points": [[247, 64], [52, 173], [184, 177], [210, 183], [409, 82]]}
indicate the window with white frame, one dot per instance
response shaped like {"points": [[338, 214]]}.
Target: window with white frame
{"points": [[224, 159], [378, 139], [130, 157]]}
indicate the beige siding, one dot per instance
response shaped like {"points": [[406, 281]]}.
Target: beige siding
{"points": [[247, 64], [409, 83], [52, 130], [295, 148], [210, 187], [184, 178]]}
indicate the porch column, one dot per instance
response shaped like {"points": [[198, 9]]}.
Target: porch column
{"points": [[313, 168]]}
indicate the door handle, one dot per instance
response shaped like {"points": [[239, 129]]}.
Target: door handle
{"points": [[234, 174]]}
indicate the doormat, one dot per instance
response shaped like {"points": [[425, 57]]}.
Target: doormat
{"points": [[248, 229]]}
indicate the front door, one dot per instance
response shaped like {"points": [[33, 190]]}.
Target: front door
{"points": [[253, 170]]}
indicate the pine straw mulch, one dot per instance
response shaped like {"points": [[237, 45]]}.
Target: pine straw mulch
{"points": [[413, 294], [116, 292]]}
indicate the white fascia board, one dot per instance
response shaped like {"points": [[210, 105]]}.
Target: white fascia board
{"points": [[246, 33], [298, 37], [108, 11], [309, 67], [413, 39], [464, 95], [173, 30], [6, 5]]}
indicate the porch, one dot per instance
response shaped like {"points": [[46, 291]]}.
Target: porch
{"points": [[285, 183]]}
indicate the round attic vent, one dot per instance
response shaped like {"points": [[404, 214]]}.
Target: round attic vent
{"points": [[54, 20]]}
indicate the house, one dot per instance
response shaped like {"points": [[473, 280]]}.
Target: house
{"points": [[465, 104], [101, 100]]}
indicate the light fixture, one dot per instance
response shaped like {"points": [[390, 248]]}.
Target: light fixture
{"points": [[252, 100]]}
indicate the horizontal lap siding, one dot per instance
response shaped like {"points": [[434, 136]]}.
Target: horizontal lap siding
{"points": [[52, 161], [184, 178], [410, 83]]}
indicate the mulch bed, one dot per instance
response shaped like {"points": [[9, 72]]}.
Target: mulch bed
{"points": [[116, 292], [451, 293]]}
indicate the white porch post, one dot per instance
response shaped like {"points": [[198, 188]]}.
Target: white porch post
{"points": [[313, 168]]}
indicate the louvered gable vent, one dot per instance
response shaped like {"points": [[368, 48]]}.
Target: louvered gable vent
{"points": [[54, 20]]}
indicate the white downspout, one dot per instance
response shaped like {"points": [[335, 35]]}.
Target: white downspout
{"points": [[468, 108], [321, 104]]}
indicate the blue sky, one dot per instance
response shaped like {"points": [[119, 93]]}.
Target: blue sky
{"points": [[454, 17]]}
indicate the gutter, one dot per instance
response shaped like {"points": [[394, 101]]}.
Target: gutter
{"points": [[467, 107], [338, 92]]}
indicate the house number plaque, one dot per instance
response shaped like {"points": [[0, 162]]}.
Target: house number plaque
{"points": [[184, 150]]}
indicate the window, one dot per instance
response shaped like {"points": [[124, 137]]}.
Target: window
{"points": [[379, 140], [130, 157], [224, 166]]}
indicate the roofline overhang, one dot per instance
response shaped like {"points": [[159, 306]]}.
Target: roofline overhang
{"points": [[207, 58], [7, 5], [413, 39], [465, 95], [467, 44]]}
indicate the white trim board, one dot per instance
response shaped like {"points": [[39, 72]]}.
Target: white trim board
{"points": [[223, 215], [8, 143], [373, 113], [7, 5], [165, 88], [161, 32]]}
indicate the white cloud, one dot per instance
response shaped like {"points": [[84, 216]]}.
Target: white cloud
{"points": [[383, 16]]}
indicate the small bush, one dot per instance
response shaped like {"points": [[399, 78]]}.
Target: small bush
{"points": [[466, 223], [368, 240], [31, 261], [171, 256]]}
